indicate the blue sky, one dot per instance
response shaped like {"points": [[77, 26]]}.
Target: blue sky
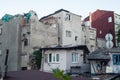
{"points": [[45, 7]]}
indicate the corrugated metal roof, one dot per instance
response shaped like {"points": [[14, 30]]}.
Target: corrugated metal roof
{"points": [[99, 54]]}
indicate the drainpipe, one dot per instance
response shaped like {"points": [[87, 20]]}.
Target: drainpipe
{"points": [[58, 34], [58, 27]]}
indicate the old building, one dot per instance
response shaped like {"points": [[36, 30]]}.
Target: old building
{"points": [[69, 25], [89, 35], [105, 61], [20, 35], [72, 35], [105, 22], [69, 59]]}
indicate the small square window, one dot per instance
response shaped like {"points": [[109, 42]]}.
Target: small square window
{"points": [[109, 19], [68, 33]]}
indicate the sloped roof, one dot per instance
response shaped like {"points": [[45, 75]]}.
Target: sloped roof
{"points": [[99, 54], [80, 47], [98, 10], [54, 13], [115, 50]]}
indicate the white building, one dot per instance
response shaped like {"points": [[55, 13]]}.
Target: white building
{"points": [[70, 59]]}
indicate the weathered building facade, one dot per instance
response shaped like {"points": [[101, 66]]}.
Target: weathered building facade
{"points": [[69, 26], [71, 33], [20, 35], [105, 22]]}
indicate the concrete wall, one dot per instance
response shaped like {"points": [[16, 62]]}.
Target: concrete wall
{"points": [[43, 35], [10, 41], [73, 25]]}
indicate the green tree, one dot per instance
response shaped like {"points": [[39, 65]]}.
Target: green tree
{"points": [[38, 57], [118, 37], [60, 74]]}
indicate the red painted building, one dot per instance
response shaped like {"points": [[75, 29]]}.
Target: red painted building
{"points": [[103, 21]]}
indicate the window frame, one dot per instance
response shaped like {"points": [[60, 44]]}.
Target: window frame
{"points": [[75, 57], [54, 58], [68, 33], [92, 35], [116, 61], [109, 19], [68, 17]]}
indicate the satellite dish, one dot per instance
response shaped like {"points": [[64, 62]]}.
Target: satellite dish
{"points": [[109, 44], [108, 37]]}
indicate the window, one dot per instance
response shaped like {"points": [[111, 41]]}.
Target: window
{"points": [[67, 17], [75, 57], [109, 19], [116, 59], [76, 38], [50, 57], [25, 42], [91, 35], [100, 32], [46, 57], [57, 57], [54, 58], [68, 33]]}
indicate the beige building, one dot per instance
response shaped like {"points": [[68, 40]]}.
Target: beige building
{"points": [[89, 36], [69, 27]]}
